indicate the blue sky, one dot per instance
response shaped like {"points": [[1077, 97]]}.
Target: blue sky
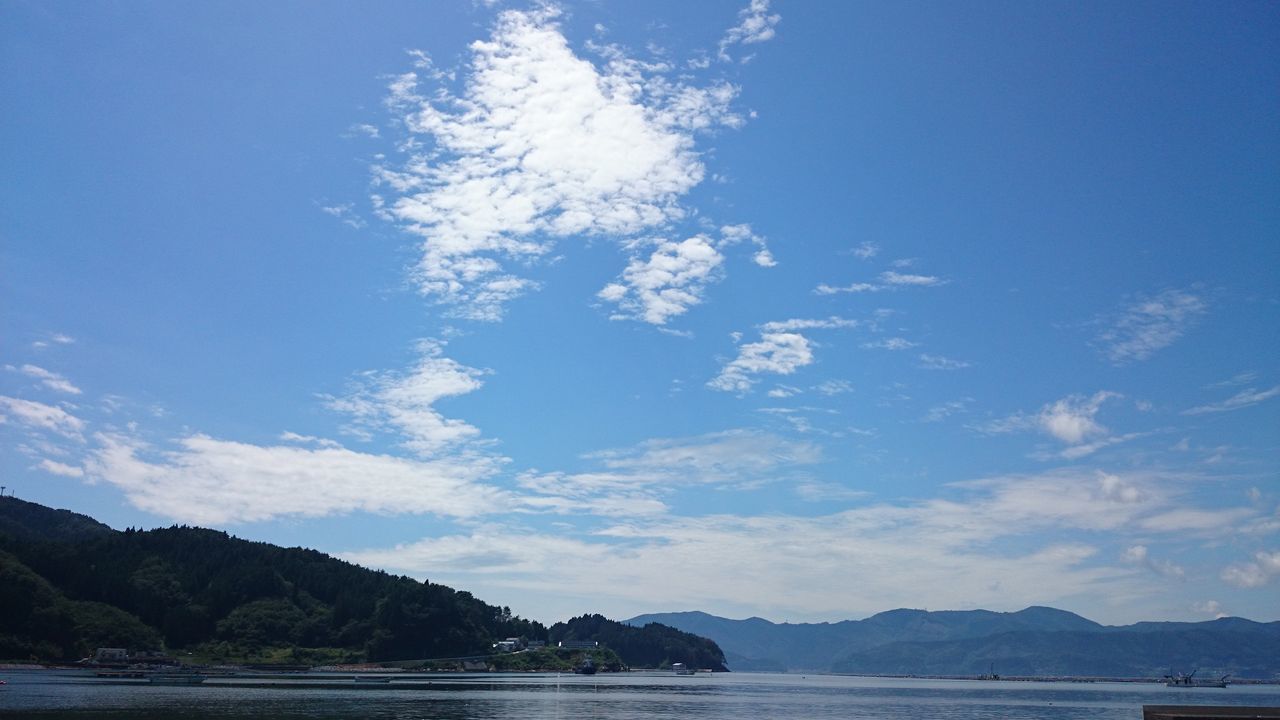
{"points": [[788, 310]]}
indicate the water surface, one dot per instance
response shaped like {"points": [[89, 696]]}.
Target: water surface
{"points": [[629, 696]]}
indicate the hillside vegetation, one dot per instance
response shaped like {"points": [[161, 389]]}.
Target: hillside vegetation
{"points": [[71, 584]]}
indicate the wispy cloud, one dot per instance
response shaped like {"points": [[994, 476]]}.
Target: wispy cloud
{"points": [[49, 379], [776, 353], [209, 481], [1242, 399], [938, 413], [404, 403], [894, 343], [755, 25], [41, 416], [1140, 555], [53, 339], [667, 282], [1071, 420], [862, 559], [866, 250], [940, 362], [1264, 567], [541, 144], [781, 350], [1151, 324], [888, 280], [56, 468], [890, 277]]}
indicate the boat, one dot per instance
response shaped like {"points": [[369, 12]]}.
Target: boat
{"points": [[1190, 681], [682, 669], [588, 667]]}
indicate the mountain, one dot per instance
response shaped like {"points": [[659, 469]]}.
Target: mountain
{"points": [[1034, 641], [1107, 654], [650, 645], [24, 520], [72, 584]]}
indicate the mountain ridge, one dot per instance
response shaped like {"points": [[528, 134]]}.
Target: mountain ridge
{"points": [[1037, 640]]}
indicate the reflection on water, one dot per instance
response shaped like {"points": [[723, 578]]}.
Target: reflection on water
{"points": [[734, 696]]}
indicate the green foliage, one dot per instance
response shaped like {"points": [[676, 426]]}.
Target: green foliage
{"points": [[557, 660], [188, 589], [653, 645]]}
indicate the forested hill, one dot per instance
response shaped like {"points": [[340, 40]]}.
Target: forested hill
{"points": [[653, 645], [71, 584]]}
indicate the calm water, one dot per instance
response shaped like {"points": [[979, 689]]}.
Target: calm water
{"points": [[733, 696]]}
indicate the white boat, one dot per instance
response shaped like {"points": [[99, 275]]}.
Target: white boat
{"points": [[682, 669]]}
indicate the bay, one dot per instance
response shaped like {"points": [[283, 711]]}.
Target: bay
{"points": [[628, 696]]}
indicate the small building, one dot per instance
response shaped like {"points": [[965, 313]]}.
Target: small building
{"points": [[110, 655], [508, 645]]}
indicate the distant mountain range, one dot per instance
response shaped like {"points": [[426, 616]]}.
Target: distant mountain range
{"points": [[1037, 641]]}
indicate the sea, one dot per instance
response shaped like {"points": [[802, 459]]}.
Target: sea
{"points": [[623, 696]]}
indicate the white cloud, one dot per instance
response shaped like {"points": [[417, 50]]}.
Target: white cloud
{"points": [[39, 415], [57, 468], [825, 289], [889, 280], [755, 25], [1266, 565], [211, 482], [859, 560], [1138, 555], [829, 323], [294, 437], [541, 144], [778, 353], [834, 387], [405, 402], [1071, 419], [1149, 325], [1076, 452], [344, 212], [49, 379], [866, 250], [894, 343], [890, 277], [938, 413], [666, 283], [1210, 607], [784, 391], [733, 234], [1242, 399], [939, 362], [56, 338], [781, 351]]}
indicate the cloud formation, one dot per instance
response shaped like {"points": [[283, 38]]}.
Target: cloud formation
{"points": [[1242, 399], [666, 283], [40, 416], [829, 566], [209, 481], [541, 144], [1151, 324], [47, 378], [404, 402], [755, 25]]}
